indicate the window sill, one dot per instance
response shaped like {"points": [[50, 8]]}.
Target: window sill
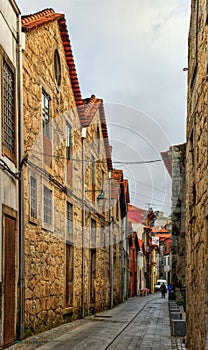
{"points": [[33, 221], [47, 227]]}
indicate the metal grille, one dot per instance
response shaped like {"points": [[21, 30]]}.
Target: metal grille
{"points": [[47, 205], [46, 114], [9, 117]]}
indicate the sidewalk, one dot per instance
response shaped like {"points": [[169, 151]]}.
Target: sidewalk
{"points": [[139, 323]]}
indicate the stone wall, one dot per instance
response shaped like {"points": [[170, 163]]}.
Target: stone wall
{"points": [[196, 180], [178, 153], [45, 245]]}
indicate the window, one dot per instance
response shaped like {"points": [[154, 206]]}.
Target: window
{"points": [[33, 197], [8, 111], [57, 67], [103, 243], [93, 231], [69, 221], [68, 141], [47, 205], [46, 114]]}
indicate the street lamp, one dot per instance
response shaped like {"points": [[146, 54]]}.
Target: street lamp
{"points": [[100, 196]]}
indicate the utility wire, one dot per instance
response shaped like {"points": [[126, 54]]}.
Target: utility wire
{"points": [[143, 195], [154, 188], [139, 162], [97, 161], [153, 204]]}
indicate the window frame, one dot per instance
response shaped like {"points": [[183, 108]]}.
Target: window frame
{"points": [[68, 141], [11, 154], [93, 229], [45, 112], [69, 227], [57, 68], [47, 224], [33, 190]]}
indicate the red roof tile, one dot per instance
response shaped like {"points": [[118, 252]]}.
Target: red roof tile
{"points": [[159, 230], [167, 159], [91, 105], [135, 214], [162, 236], [116, 179], [34, 21]]}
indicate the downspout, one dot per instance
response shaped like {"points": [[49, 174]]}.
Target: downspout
{"points": [[127, 254], [111, 244], [122, 258], [83, 220], [21, 185]]}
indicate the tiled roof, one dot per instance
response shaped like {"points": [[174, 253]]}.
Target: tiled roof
{"points": [[159, 230], [116, 179], [37, 19], [162, 236], [91, 105], [167, 159], [34, 21], [135, 214], [118, 190]]}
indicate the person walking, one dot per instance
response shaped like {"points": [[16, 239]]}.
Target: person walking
{"points": [[163, 290], [170, 292]]}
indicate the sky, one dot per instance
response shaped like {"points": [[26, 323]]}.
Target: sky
{"points": [[132, 54]]}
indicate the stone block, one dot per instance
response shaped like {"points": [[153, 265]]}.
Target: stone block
{"points": [[174, 308], [178, 328], [175, 315]]}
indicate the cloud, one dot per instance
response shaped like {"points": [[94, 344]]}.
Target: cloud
{"points": [[132, 54]]}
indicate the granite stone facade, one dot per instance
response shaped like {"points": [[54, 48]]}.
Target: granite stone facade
{"points": [[197, 180], [178, 155], [67, 164]]}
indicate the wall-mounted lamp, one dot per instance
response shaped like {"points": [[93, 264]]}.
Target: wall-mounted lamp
{"points": [[100, 196]]}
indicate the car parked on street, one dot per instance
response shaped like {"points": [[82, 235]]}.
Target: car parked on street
{"points": [[159, 284]]}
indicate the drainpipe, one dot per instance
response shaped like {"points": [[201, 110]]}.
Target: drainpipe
{"points": [[111, 244], [127, 254], [83, 219], [21, 185], [122, 257]]}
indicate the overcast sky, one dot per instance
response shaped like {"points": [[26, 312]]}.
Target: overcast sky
{"points": [[132, 54]]}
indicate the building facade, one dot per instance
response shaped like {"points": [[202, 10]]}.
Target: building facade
{"points": [[175, 161], [66, 177], [197, 180], [10, 159]]}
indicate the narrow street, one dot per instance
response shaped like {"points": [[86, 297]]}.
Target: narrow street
{"points": [[139, 323]]}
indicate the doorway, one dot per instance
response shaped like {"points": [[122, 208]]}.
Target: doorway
{"points": [[9, 280]]}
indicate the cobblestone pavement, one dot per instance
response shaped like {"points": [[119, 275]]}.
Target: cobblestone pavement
{"points": [[139, 323]]}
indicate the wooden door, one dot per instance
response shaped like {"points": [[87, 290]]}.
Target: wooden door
{"points": [[9, 281], [93, 276]]}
